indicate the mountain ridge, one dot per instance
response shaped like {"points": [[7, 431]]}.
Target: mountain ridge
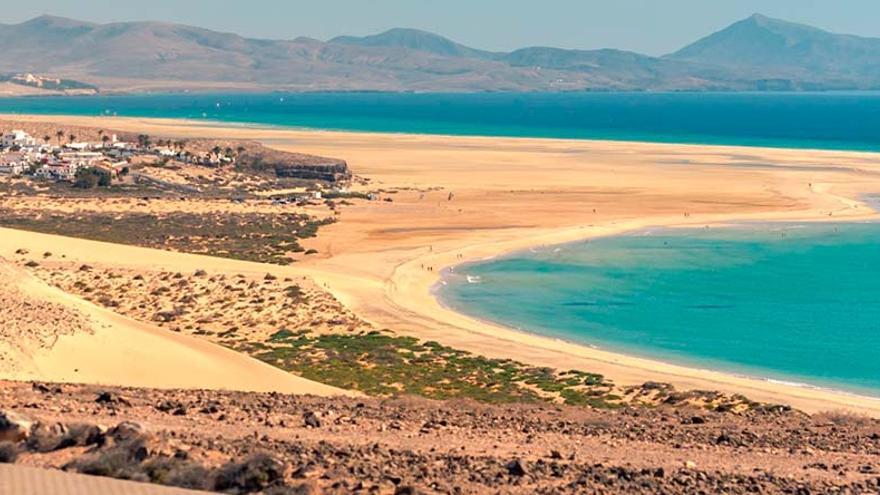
{"points": [[756, 53]]}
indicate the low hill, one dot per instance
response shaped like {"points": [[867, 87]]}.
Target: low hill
{"points": [[414, 39]]}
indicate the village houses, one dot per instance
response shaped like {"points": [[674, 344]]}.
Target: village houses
{"points": [[17, 138], [22, 154]]}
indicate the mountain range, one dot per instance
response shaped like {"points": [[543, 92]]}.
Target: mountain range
{"points": [[757, 53]]}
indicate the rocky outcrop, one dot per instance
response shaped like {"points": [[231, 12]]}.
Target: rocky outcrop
{"points": [[13, 427], [294, 165], [274, 443], [329, 172]]}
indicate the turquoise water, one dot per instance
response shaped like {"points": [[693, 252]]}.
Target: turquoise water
{"points": [[801, 303], [794, 302], [846, 121]]}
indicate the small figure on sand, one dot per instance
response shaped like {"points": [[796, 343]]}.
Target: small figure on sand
{"points": [[451, 195]]}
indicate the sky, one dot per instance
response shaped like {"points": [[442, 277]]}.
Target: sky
{"points": [[653, 27]]}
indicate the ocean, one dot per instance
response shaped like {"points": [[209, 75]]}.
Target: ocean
{"points": [[843, 121], [797, 303]]}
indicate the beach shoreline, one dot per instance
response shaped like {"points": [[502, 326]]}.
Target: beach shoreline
{"points": [[374, 259], [178, 124], [646, 354], [204, 110], [638, 369]]}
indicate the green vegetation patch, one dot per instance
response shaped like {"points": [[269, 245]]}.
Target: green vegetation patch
{"points": [[264, 238], [381, 364]]}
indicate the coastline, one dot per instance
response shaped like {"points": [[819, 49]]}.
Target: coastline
{"points": [[373, 258], [630, 369], [172, 124], [804, 382]]}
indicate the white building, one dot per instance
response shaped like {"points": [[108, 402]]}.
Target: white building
{"points": [[163, 151], [63, 171], [13, 169], [81, 158], [17, 137], [13, 163], [78, 146]]}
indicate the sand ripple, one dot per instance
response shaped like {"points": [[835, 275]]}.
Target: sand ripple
{"points": [[28, 323]]}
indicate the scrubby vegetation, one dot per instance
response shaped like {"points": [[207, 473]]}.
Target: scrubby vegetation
{"points": [[90, 177], [8, 452], [131, 459], [296, 326], [264, 238], [382, 364]]}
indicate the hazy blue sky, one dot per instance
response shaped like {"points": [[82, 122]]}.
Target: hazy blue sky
{"points": [[648, 26]]}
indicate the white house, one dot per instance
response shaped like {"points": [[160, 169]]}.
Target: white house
{"points": [[81, 158], [164, 151], [78, 146], [17, 137], [63, 171], [118, 153], [13, 163], [44, 172]]}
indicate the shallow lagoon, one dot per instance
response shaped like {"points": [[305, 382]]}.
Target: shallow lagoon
{"points": [[797, 303]]}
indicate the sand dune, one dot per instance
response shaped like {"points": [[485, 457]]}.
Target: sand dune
{"points": [[88, 344], [381, 259]]}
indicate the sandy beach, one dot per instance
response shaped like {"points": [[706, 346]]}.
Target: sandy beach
{"points": [[461, 198]]}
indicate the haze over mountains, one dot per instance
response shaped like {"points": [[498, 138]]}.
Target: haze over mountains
{"points": [[758, 53]]}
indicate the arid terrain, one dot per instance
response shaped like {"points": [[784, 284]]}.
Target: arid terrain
{"points": [[243, 443], [202, 281]]}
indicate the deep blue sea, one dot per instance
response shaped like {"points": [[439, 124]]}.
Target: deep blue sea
{"points": [[798, 303], [846, 121]]}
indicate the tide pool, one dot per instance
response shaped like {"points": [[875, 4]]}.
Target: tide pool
{"points": [[798, 303]]}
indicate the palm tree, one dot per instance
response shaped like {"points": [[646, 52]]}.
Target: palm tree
{"points": [[71, 138], [59, 135], [46, 139], [104, 139]]}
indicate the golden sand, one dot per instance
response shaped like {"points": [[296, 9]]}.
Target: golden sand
{"points": [[464, 198], [49, 335]]}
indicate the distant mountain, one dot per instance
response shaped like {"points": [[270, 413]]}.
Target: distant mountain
{"points": [[414, 39], [757, 53], [627, 68], [770, 48], [155, 55]]}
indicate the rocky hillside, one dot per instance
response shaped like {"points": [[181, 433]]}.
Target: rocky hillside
{"points": [[278, 444]]}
